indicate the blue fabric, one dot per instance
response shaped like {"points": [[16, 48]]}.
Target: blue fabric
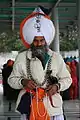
{"points": [[24, 105]]}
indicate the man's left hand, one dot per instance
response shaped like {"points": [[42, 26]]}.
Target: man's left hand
{"points": [[52, 89]]}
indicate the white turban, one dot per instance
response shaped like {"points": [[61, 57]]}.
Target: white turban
{"points": [[35, 25]]}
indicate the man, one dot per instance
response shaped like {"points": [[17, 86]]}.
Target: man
{"points": [[38, 71]]}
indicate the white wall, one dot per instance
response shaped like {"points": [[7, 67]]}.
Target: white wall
{"points": [[70, 53]]}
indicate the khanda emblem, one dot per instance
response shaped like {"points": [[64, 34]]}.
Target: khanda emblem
{"points": [[37, 25]]}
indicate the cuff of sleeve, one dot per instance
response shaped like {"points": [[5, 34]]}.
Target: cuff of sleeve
{"points": [[58, 87], [20, 83]]}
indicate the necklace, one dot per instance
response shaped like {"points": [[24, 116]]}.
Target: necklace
{"points": [[29, 75]]}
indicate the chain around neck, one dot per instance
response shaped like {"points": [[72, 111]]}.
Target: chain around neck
{"points": [[29, 75]]}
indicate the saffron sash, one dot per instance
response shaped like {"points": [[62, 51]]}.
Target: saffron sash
{"points": [[38, 110]]}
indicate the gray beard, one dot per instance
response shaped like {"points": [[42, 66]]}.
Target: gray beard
{"points": [[39, 52]]}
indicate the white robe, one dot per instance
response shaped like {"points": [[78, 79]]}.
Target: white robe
{"points": [[58, 68]]}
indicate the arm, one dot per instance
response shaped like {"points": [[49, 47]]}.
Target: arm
{"points": [[16, 75], [63, 74], [18, 78]]}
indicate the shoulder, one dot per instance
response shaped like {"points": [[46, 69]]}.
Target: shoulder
{"points": [[22, 53], [27, 53], [54, 54], [20, 57]]}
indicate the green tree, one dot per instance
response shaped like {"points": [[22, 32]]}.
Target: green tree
{"points": [[10, 42], [68, 45]]}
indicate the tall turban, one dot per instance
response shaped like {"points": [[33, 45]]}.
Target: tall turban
{"points": [[37, 24]]}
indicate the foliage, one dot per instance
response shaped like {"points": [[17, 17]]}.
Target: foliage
{"points": [[69, 38], [68, 45], [10, 41]]}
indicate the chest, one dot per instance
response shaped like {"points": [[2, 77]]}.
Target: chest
{"points": [[36, 71]]}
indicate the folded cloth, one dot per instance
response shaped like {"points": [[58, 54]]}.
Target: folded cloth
{"points": [[38, 110]]}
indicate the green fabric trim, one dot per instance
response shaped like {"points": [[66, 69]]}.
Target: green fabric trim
{"points": [[46, 59]]}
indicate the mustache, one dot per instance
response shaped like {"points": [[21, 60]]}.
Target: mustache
{"points": [[39, 49]]}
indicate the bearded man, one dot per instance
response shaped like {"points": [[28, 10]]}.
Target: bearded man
{"points": [[40, 72]]}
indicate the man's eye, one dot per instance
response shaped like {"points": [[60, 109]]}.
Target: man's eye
{"points": [[35, 40], [42, 40]]}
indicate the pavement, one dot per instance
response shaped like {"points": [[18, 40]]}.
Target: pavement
{"points": [[72, 109]]}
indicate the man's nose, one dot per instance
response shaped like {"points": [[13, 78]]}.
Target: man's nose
{"points": [[39, 43]]}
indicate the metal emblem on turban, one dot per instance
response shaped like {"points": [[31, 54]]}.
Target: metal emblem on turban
{"points": [[37, 25]]}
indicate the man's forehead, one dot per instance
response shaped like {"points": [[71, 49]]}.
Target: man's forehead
{"points": [[39, 37]]}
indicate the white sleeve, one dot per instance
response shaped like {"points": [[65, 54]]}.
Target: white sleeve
{"points": [[63, 74], [16, 76]]}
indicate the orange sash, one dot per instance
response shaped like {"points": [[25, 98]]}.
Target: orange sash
{"points": [[38, 110]]}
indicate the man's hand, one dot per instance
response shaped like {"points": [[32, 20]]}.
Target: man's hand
{"points": [[30, 84], [52, 89]]}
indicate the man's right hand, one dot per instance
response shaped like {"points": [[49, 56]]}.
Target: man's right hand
{"points": [[30, 84]]}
